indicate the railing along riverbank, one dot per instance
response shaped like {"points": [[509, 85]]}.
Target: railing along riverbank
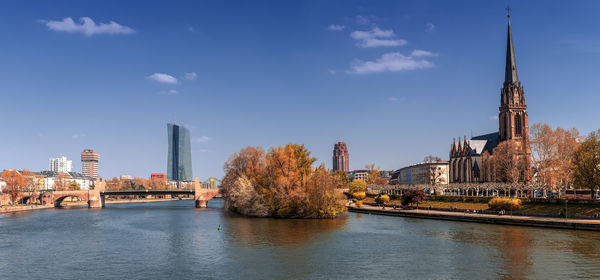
{"points": [[576, 224]]}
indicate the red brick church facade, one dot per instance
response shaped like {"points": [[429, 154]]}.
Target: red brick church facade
{"points": [[468, 158]]}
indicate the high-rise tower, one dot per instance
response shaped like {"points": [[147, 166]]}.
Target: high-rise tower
{"points": [[179, 163], [89, 163], [340, 157]]}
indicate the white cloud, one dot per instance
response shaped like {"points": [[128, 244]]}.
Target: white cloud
{"points": [[376, 37], [162, 78], [203, 139], [172, 91], [88, 27], [204, 150], [391, 62], [336, 27], [422, 53], [393, 99], [332, 72], [77, 136], [364, 20], [494, 118], [429, 27], [191, 29], [191, 76]]}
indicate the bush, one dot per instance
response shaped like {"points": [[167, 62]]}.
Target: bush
{"points": [[359, 195], [357, 186], [504, 203], [413, 197], [382, 199], [358, 204]]}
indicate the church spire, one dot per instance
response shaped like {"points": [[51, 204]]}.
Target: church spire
{"points": [[510, 74]]}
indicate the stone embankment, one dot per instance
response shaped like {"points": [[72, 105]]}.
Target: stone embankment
{"points": [[561, 223]]}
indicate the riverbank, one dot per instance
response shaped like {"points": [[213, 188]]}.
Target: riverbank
{"points": [[577, 224], [9, 209]]}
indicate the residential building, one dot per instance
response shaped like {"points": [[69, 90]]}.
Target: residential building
{"points": [[61, 164], [159, 176], [179, 163], [358, 175], [89, 163]]}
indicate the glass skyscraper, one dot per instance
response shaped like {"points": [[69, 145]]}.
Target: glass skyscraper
{"points": [[179, 164]]}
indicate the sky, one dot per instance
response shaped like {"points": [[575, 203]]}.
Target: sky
{"points": [[395, 80]]}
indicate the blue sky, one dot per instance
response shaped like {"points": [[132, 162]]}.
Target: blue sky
{"points": [[395, 80]]}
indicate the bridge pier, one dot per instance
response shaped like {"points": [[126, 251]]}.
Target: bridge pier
{"points": [[201, 203]]}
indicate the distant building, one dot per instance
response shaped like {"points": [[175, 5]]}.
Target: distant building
{"points": [[89, 163], [48, 178], [179, 163], [386, 174], [61, 164], [158, 176], [127, 177], [358, 175], [435, 172], [340, 157]]}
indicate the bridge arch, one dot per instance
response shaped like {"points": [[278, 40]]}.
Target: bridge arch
{"points": [[58, 198]]}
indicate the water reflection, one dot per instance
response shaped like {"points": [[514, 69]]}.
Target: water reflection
{"points": [[247, 231]]}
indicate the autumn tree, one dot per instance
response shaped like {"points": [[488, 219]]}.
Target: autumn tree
{"points": [[357, 186], [281, 183], [341, 178], [75, 186], [431, 158], [586, 164], [413, 197], [15, 184], [381, 181], [510, 164], [552, 153], [61, 182], [373, 173]]}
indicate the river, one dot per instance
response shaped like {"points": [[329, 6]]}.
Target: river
{"points": [[172, 240]]}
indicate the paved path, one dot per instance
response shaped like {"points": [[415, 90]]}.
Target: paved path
{"points": [[484, 218]]}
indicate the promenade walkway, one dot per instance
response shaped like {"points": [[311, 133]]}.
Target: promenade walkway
{"points": [[580, 224]]}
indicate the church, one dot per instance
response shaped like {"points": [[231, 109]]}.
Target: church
{"points": [[467, 157]]}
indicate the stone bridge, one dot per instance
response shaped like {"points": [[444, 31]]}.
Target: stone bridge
{"points": [[95, 198]]}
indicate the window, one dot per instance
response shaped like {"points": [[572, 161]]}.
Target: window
{"points": [[518, 125]]}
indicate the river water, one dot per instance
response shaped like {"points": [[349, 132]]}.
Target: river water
{"points": [[172, 240]]}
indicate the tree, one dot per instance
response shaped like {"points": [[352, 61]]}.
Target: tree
{"points": [[280, 183], [341, 178], [15, 183], [436, 174], [357, 186], [381, 181], [75, 186], [382, 199], [552, 154], [373, 173], [586, 164], [413, 197], [510, 163], [431, 158], [61, 182]]}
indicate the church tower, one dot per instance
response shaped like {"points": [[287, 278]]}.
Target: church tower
{"points": [[513, 119]]}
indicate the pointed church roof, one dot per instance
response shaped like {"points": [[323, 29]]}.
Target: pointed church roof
{"points": [[510, 74]]}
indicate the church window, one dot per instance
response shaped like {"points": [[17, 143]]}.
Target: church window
{"points": [[518, 125]]}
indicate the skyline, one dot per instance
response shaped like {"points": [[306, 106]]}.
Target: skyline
{"points": [[362, 75]]}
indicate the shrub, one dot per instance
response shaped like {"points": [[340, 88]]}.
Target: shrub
{"points": [[358, 186], [382, 199], [504, 203], [359, 195], [358, 204], [413, 197]]}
